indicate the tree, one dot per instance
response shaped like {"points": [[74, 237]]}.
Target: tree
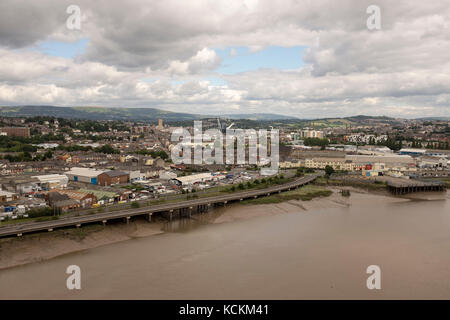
{"points": [[135, 204], [299, 172], [329, 170]]}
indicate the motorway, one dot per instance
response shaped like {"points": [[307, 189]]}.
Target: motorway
{"points": [[21, 228]]}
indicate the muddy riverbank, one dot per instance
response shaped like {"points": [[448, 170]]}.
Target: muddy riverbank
{"points": [[43, 246]]}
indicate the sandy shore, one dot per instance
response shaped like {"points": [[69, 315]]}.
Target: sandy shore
{"points": [[43, 246]]}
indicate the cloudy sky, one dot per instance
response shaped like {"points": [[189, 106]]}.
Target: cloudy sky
{"points": [[307, 58]]}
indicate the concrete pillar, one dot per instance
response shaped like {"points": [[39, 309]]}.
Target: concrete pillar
{"points": [[189, 211], [104, 222], [149, 217], [170, 215], [127, 219]]}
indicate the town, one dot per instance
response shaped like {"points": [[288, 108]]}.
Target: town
{"points": [[51, 166]]}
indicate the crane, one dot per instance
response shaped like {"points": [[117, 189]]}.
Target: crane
{"points": [[218, 124], [229, 127]]}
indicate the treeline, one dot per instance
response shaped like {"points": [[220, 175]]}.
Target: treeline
{"points": [[24, 144], [154, 154], [26, 156], [83, 125], [316, 142], [107, 149]]}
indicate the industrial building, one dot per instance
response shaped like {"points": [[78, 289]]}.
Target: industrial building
{"points": [[108, 178], [85, 175], [195, 178], [412, 152], [52, 181], [86, 200], [6, 196]]}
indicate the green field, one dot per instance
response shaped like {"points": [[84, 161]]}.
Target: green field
{"points": [[304, 193]]}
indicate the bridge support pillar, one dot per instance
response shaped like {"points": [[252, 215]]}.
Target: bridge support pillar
{"points": [[170, 215], [127, 219], [224, 203], [19, 234], [78, 225], [50, 230], [104, 222], [189, 212], [149, 217]]}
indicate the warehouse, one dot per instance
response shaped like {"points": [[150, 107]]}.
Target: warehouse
{"points": [[85, 199], [6, 196], [195, 178], [85, 175], [113, 177], [387, 159], [52, 181]]}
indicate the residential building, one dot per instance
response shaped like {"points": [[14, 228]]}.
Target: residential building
{"points": [[16, 131]]}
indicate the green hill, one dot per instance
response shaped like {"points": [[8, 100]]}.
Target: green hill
{"points": [[96, 113]]}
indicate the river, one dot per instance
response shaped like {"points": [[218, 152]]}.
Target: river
{"points": [[321, 253]]}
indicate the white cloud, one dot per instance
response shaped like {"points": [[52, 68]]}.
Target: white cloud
{"points": [[401, 70]]}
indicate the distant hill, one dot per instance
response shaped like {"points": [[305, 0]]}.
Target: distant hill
{"points": [[258, 116], [435, 118], [132, 114], [96, 113]]}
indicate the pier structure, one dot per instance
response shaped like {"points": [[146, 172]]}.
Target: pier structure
{"points": [[410, 186]]}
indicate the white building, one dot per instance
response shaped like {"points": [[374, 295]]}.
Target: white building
{"points": [[86, 175], [136, 176], [167, 175], [195, 178], [53, 181]]}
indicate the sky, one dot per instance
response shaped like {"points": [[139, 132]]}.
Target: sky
{"points": [[304, 58]]}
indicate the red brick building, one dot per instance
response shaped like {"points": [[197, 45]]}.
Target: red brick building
{"points": [[113, 177], [16, 131]]}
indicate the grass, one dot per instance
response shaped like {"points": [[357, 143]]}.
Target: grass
{"points": [[368, 184], [304, 193], [447, 181]]}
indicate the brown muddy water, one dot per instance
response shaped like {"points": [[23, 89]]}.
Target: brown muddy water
{"points": [[306, 254]]}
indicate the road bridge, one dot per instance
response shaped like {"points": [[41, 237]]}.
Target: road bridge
{"points": [[200, 204]]}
